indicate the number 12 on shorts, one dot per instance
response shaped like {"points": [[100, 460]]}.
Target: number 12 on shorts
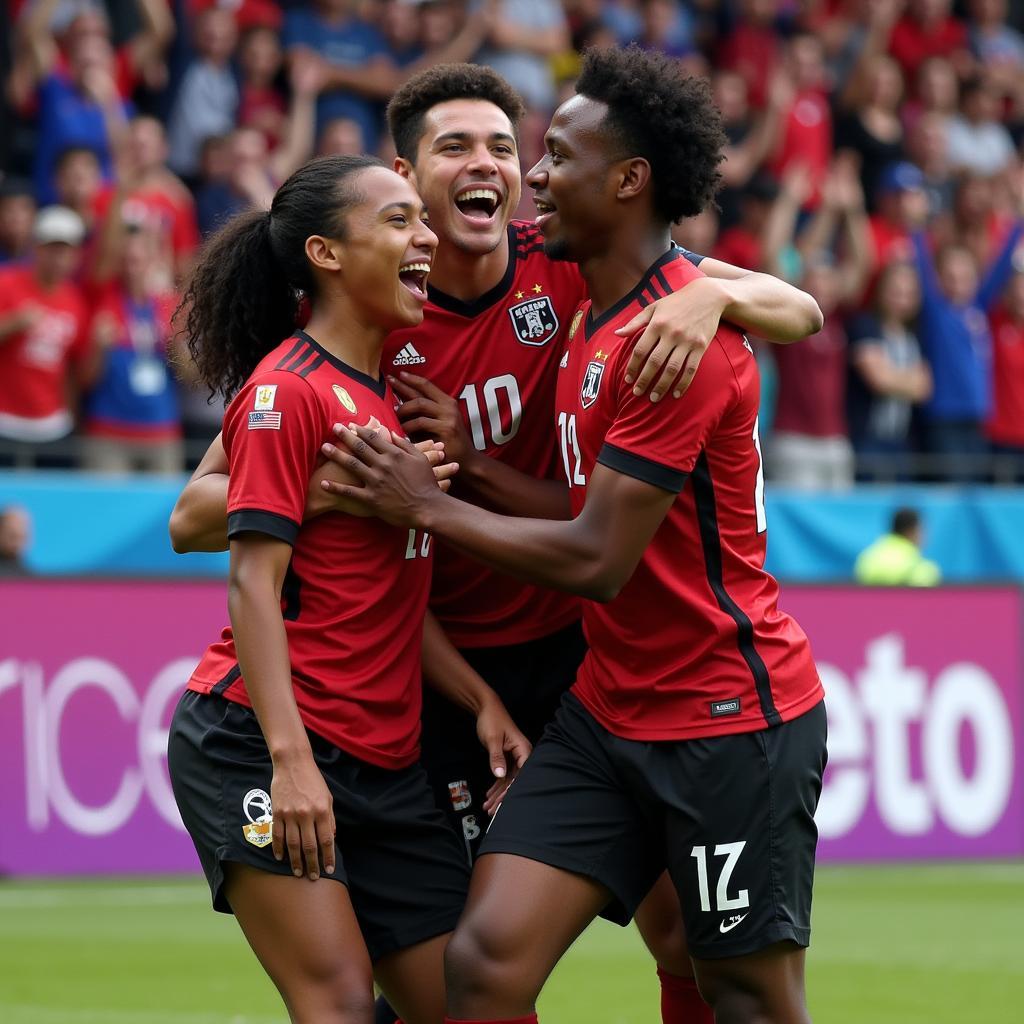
{"points": [[723, 901]]}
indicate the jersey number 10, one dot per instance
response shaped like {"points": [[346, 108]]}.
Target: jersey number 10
{"points": [[492, 390]]}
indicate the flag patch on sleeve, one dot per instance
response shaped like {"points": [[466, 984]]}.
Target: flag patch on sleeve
{"points": [[264, 421]]}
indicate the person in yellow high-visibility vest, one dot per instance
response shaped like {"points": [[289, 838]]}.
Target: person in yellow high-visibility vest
{"points": [[895, 559]]}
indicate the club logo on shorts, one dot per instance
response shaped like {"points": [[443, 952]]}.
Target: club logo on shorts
{"points": [[459, 792], [264, 401], [534, 321], [591, 383], [256, 805], [344, 397]]}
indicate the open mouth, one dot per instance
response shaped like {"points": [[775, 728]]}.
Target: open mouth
{"points": [[478, 204], [414, 277], [545, 210]]}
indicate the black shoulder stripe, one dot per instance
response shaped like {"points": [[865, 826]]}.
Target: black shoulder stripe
{"points": [[711, 542], [316, 364], [294, 349], [663, 281], [300, 358]]}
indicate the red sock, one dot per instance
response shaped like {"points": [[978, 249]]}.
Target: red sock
{"points": [[532, 1019], [681, 1002]]}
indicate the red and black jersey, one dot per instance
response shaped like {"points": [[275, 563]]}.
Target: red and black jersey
{"points": [[498, 355], [694, 644], [356, 590]]}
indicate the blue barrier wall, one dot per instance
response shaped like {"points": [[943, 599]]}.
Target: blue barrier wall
{"points": [[95, 525]]}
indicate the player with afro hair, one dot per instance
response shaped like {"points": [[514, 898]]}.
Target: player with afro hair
{"points": [[656, 112]]}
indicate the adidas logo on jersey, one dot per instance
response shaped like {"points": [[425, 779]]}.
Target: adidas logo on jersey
{"points": [[408, 356], [565, 361]]}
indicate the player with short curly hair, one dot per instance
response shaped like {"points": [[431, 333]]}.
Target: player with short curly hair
{"points": [[671, 122], [441, 84], [693, 739]]}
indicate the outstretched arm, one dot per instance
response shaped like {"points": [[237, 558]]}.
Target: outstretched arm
{"points": [[593, 555], [678, 328], [199, 521]]}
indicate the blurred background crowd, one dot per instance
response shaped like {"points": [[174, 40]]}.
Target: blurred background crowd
{"points": [[874, 158]]}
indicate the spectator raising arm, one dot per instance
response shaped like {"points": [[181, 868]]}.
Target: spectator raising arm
{"points": [[842, 207]]}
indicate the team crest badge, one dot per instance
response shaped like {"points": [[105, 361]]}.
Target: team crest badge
{"points": [[575, 325], [591, 383], [459, 792], [534, 321], [264, 398], [344, 397], [256, 805]]}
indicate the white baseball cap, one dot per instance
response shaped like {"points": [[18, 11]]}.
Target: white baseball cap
{"points": [[58, 224]]}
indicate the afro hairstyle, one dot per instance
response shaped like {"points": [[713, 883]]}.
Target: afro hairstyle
{"points": [[442, 83], [667, 118]]}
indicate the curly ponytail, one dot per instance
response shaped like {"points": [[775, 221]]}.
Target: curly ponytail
{"points": [[242, 299]]}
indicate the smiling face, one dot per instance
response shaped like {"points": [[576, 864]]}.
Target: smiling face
{"points": [[467, 171], [575, 183], [387, 250]]}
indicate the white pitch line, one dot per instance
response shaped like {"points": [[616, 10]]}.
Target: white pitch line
{"points": [[73, 896]]}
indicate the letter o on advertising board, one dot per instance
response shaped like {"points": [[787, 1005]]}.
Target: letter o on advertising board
{"points": [[966, 694]]}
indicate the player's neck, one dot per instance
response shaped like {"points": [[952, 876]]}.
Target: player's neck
{"points": [[466, 276], [617, 271], [341, 331]]}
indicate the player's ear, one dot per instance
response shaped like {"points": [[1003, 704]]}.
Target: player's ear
{"points": [[324, 253], [633, 177], [405, 169]]}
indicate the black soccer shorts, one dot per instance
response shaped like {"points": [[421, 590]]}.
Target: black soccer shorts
{"points": [[531, 679], [730, 817], [406, 873]]}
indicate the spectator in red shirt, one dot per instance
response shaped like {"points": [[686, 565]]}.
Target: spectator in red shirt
{"points": [[262, 105], [753, 48], [807, 129], [928, 29], [156, 195], [1006, 425], [741, 244], [42, 338]]}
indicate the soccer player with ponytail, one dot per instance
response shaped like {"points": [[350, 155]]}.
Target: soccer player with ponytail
{"points": [[294, 752]]}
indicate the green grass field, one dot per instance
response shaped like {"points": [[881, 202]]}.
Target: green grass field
{"points": [[908, 945]]}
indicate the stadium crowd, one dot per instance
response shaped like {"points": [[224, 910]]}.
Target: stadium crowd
{"points": [[874, 158]]}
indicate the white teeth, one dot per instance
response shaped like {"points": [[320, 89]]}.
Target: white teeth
{"points": [[425, 267], [479, 193]]}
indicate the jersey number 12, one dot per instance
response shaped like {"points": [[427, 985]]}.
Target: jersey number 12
{"points": [[570, 445]]}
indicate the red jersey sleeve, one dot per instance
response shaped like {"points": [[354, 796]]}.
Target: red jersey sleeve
{"points": [[8, 293], [660, 442], [273, 430]]}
